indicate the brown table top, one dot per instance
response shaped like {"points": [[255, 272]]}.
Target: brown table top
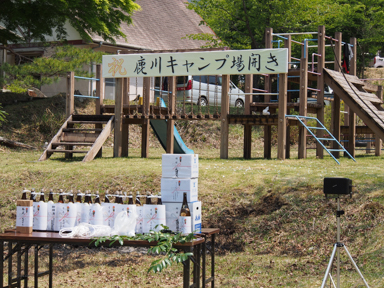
{"points": [[55, 238]]}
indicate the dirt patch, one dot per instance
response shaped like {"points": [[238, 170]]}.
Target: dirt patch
{"points": [[230, 221]]}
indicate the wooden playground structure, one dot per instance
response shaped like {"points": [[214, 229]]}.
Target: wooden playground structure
{"points": [[360, 98]]}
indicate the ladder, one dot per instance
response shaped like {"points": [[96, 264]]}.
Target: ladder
{"points": [[301, 119]]}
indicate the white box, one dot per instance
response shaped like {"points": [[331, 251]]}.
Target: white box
{"points": [[139, 220], [172, 211], [172, 189], [180, 165]]}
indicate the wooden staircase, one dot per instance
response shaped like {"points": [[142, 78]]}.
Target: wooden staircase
{"points": [[81, 131]]}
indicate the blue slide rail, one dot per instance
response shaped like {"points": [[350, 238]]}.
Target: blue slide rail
{"points": [[160, 129]]}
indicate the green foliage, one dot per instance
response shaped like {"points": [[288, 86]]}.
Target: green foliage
{"points": [[46, 70], [2, 115], [163, 243], [26, 20]]}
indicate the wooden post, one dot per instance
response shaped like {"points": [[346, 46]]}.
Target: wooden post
{"points": [[351, 116], [170, 121], [99, 101], [336, 102], [224, 117], [320, 86], [117, 145], [70, 101], [145, 125], [378, 141], [247, 127], [267, 98], [302, 153], [99, 89], [282, 124], [125, 131], [288, 45]]}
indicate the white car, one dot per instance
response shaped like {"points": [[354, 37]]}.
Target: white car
{"points": [[378, 62], [204, 90]]}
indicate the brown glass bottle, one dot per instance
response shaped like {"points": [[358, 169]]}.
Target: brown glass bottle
{"points": [[184, 211], [78, 196], [148, 198], [137, 201], [89, 199], [97, 199], [33, 195], [130, 198], [50, 197], [24, 195], [159, 202], [106, 198], [71, 199], [61, 198], [42, 196]]}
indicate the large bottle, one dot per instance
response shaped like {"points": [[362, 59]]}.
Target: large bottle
{"points": [[61, 197], [42, 197], [97, 198], [159, 202], [24, 195], [184, 211], [78, 196], [33, 195], [130, 198], [51, 214], [148, 198], [50, 197]]}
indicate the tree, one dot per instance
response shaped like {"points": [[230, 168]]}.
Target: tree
{"points": [[46, 70], [240, 24], [26, 20]]}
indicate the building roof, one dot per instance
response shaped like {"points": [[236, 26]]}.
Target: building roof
{"points": [[161, 25]]}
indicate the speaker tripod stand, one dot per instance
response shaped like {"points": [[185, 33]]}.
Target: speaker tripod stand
{"points": [[336, 250]]}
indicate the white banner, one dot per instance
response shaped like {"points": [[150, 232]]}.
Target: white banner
{"points": [[256, 61]]}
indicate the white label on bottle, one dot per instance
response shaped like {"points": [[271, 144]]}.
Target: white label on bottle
{"points": [[51, 213], [66, 215], [96, 214], [40, 216], [185, 223]]}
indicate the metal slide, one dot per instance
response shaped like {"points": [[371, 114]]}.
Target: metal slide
{"points": [[160, 129]]}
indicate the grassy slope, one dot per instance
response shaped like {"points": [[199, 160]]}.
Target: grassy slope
{"points": [[277, 228]]}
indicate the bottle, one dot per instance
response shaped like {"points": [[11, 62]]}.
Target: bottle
{"points": [[106, 199], [42, 196], [89, 199], [159, 202], [137, 201], [24, 195], [71, 200], [33, 195], [78, 196], [97, 199], [130, 198], [149, 198], [61, 199], [50, 198], [184, 211]]}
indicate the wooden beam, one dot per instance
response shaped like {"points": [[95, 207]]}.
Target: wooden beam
{"points": [[99, 141], [248, 128], [267, 98], [70, 99], [99, 89], [320, 86], [302, 145], [282, 125], [378, 141], [171, 122], [117, 146], [146, 110], [224, 117], [288, 45]]}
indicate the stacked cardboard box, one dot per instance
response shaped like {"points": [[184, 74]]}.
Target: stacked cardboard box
{"points": [[180, 174]]}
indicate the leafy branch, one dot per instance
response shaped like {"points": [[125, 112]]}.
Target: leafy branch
{"points": [[163, 243]]}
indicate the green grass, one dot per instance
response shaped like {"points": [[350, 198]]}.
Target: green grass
{"points": [[261, 244]]}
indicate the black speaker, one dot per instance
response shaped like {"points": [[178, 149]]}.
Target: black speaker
{"points": [[337, 186]]}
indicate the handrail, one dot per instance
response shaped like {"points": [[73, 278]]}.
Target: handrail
{"points": [[317, 139], [86, 78]]}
